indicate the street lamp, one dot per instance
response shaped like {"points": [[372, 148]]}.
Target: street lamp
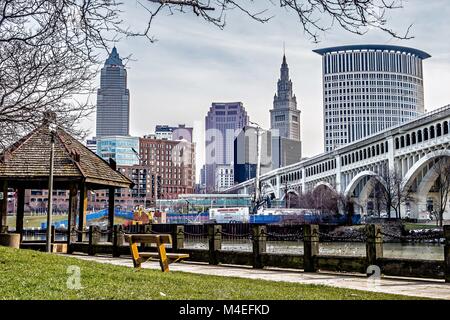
{"points": [[258, 166], [52, 129]]}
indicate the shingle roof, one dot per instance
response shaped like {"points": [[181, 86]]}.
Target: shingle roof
{"points": [[29, 158]]}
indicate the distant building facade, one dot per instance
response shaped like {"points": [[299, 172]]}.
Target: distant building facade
{"points": [[245, 153], [174, 133], [119, 148], [113, 99], [224, 177], [92, 144], [368, 88], [285, 151], [223, 123], [172, 162]]}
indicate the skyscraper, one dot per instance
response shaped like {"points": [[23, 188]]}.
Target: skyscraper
{"points": [[113, 98], [246, 156], [285, 122], [368, 88], [223, 123], [285, 117]]}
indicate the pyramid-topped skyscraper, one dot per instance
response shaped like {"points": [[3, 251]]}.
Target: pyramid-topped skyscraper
{"points": [[113, 98]]}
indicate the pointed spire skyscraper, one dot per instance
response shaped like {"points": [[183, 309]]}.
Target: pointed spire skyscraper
{"points": [[285, 117]]}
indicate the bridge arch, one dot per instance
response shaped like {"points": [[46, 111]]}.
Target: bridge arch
{"points": [[420, 164], [356, 179], [267, 188], [290, 191], [324, 184]]}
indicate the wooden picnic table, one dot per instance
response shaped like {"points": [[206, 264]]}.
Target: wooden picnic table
{"points": [[160, 240]]}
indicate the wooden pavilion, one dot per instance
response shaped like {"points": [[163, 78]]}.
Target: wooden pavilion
{"points": [[26, 165]]}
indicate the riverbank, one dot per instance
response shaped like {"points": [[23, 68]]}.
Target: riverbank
{"points": [[28, 274]]}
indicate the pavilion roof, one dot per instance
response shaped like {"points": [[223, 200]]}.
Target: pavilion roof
{"points": [[29, 160]]}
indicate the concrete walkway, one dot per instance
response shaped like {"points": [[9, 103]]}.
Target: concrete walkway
{"points": [[435, 289]]}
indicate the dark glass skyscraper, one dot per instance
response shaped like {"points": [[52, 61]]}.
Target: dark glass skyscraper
{"points": [[113, 99]]}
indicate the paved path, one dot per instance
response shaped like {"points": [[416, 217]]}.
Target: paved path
{"points": [[410, 287]]}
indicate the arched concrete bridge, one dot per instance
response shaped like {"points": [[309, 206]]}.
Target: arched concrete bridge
{"points": [[411, 149]]}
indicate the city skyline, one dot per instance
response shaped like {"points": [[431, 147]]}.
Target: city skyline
{"points": [[192, 66]]}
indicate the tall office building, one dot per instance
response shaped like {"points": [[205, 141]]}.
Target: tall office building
{"points": [[368, 88], [285, 122], [245, 153], [223, 123], [285, 117], [113, 99]]}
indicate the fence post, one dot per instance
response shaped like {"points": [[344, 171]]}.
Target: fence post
{"points": [[215, 242], [118, 240], [259, 245], [94, 239], [177, 237], [310, 247], [53, 234], [447, 253], [374, 244]]}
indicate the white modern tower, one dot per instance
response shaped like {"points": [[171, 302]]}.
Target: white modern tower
{"points": [[368, 88]]}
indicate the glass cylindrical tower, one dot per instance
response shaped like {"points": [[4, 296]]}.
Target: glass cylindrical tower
{"points": [[368, 88]]}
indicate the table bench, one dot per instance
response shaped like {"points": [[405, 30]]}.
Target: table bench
{"points": [[160, 240]]}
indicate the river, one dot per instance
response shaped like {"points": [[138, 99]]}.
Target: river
{"points": [[425, 251]]}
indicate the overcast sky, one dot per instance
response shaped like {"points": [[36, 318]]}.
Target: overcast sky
{"points": [[193, 64]]}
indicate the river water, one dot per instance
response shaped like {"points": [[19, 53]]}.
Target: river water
{"points": [[425, 251]]}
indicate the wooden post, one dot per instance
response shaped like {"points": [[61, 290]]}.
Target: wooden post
{"points": [[215, 242], [374, 244], [94, 239], [118, 240], [177, 237], [3, 205], [259, 245], [111, 195], [82, 211], [447, 253], [52, 234], [20, 211], [71, 219], [310, 247]]}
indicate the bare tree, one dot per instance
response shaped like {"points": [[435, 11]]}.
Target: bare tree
{"points": [[315, 16], [389, 193], [49, 57], [441, 187], [50, 50], [347, 206]]}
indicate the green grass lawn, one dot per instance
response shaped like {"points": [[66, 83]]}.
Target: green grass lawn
{"points": [[26, 274]]}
